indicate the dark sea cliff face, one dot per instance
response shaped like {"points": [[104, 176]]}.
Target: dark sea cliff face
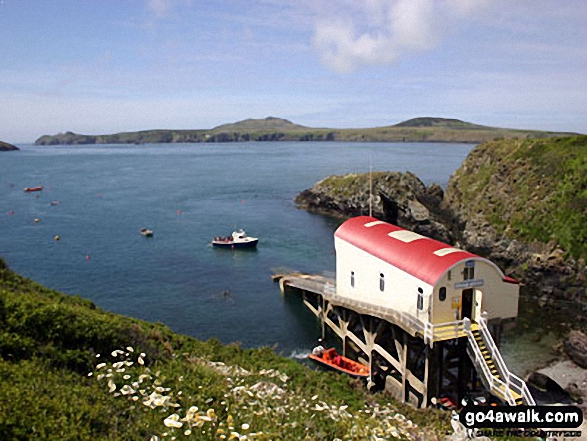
{"points": [[546, 269], [399, 198], [5, 147]]}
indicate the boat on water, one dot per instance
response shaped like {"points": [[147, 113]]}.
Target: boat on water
{"points": [[29, 189], [146, 232], [333, 360], [238, 239]]}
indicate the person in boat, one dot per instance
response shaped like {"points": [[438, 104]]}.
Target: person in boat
{"points": [[319, 349]]}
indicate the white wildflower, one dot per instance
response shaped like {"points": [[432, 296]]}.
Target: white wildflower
{"points": [[127, 390], [173, 421]]}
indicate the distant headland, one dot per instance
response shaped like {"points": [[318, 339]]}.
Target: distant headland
{"points": [[5, 147], [426, 129]]}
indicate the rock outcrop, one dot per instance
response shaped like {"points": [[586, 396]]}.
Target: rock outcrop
{"points": [[5, 147], [398, 198], [575, 346]]}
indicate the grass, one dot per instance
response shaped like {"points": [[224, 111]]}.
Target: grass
{"points": [[71, 371], [533, 190]]}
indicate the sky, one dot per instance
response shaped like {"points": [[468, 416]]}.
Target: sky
{"points": [[107, 66]]}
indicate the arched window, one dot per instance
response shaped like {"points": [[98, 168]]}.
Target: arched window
{"points": [[420, 299], [442, 294], [352, 279], [381, 282]]}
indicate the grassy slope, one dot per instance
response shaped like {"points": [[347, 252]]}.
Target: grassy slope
{"points": [[534, 189], [277, 129], [49, 342]]}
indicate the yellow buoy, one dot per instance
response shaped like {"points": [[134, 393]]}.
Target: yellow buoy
{"points": [[56, 238], [37, 220]]}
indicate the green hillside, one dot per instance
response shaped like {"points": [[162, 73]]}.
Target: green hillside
{"points": [[70, 371], [277, 129], [440, 122], [533, 190], [269, 124]]}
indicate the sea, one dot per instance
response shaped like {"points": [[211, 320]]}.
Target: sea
{"points": [[96, 199]]}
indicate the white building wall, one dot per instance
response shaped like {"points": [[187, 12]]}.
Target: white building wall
{"points": [[400, 290], [492, 295]]}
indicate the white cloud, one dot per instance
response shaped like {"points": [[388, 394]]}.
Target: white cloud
{"points": [[349, 35], [160, 7]]}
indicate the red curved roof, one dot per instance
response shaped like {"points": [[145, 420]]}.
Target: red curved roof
{"points": [[408, 251]]}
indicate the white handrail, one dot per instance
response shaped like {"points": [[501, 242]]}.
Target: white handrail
{"points": [[494, 383], [512, 380]]}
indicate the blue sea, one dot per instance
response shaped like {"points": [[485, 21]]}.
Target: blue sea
{"points": [[187, 194]]}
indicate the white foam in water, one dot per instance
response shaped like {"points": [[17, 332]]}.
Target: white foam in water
{"points": [[299, 355]]}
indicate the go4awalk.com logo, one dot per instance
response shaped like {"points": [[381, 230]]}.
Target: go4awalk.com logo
{"points": [[521, 417]]}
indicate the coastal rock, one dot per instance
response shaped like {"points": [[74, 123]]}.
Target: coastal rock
{"points": [[519, 204], [575, 346], [399, 198], [5, 147]]}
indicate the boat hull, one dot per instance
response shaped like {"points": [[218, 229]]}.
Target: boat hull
{"points": [[30, 189], [350, 367], [231, 245]]}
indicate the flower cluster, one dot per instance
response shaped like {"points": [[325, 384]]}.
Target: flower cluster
{"points": [[259, 399]]}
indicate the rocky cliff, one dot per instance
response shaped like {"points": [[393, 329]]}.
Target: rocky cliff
{"points": [[5, 147], [398, 198], [523, 204]]}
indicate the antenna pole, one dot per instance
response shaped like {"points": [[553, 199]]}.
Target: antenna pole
{"points": [[370, 191]]}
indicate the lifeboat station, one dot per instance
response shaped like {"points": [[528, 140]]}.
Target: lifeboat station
{"points": [[425, 318]]}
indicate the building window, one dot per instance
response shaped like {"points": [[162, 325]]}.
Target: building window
{"points": [[381, 282], [469, 273], [352, 279], [420, 299], [449, 274], [442, 294]]}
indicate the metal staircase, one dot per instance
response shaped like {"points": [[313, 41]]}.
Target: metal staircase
{"points": [[491, 367]]}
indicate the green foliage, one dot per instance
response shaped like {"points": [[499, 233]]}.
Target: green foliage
{"points": [[61, 380], [535, 190]]}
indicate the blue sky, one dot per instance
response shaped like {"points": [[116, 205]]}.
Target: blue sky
{"points": [[107, 66]]}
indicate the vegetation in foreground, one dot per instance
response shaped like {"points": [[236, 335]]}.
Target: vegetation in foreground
{"points": [[277, 129], [70, 371]]}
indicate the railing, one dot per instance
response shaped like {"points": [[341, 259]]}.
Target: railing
{"points": [[512, 382], [430, 333], [434, 332]]}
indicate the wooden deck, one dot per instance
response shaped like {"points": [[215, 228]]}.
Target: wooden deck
{"points": [[315, 283]]}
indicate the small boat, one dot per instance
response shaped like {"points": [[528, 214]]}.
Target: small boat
{"points": [[331, 359], [54, 203], [146, 232], [238, 239], [29, 189]]}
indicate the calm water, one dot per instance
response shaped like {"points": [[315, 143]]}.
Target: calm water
{"points": [[187, 194]]}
